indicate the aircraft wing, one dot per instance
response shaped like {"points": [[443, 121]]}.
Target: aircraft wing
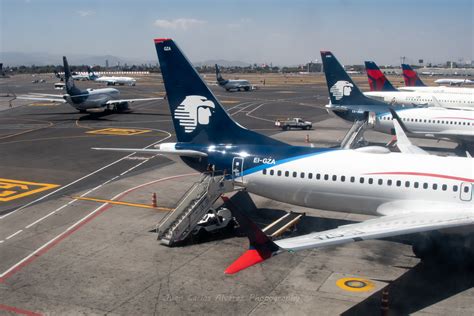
{"points": [[112, 102], [398, 218], [400, 221], [38, 98]]}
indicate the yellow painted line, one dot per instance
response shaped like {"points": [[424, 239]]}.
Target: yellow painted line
{"points": [[165, 209], [229, 102], [119, 131], [15, 189], [355, 284], [43, 104]]}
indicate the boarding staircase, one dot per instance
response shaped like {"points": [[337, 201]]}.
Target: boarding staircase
{"points": [[196, 202], [355, 135]]}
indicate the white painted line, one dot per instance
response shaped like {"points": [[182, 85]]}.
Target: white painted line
{"points": [[14, 234], [46, 216], [84, 177], [134, 167], [1, 241], [85, 217]]}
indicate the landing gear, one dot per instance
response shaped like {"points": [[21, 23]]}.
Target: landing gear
{"points": [[247, 88]]}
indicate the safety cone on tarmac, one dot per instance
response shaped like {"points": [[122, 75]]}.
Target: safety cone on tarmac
{"points": [[153, 203], [384, 302]]}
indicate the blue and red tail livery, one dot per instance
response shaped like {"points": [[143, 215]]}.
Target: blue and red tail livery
{"points": [[377, 80], [411, 77]]}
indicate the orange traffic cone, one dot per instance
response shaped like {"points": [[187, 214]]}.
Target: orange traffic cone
{"points": [[153, 203]]}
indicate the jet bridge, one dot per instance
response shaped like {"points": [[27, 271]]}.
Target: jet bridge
{"points": [[196, 202]]}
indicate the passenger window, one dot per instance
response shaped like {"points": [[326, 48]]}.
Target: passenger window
{"points": [[352, 179], [295, 174], [272, 172], [371, 180], [425, 185], [310, 175], [326, 177], [343, 178], [318, 176], [302, 175], [279, 173], [380, 181], [416, 184], [435, 186], [264, 171], [444, 187], [466, 189], [399, 183], [334, 178], [389, 182], [361, 180], [287, 173]]}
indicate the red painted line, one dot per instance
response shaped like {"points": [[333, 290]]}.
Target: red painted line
{"points": [[67, 233], [17, 310], [421, 174]]}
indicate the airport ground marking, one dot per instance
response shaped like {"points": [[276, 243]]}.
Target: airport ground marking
{"points": [[76, 226], [14, 234], [84, 177], [140, 205], [14, 189], [355, 284], [119, 131], [19, 311]]}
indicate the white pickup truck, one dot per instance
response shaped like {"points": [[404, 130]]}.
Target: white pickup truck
{"points": [[293, 123]]}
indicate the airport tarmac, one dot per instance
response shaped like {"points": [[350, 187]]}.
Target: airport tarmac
{"points": [[67, 247]]}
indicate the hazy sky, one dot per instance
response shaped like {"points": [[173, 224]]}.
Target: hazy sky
{"points": [[282, 32]]}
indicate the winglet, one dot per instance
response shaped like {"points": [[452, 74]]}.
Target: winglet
{"points": [[399, 120], [403, 142], [261, 246]]}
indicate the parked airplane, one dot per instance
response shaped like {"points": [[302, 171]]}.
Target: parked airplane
{"points": [[454, 82], [75, 76], [83, 100], [410, 193], [414, 83], [112, 80], [388, 93], [232, 84], [348, 102]]}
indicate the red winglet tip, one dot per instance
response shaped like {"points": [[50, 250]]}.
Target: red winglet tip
{"points": [[248, 259], [161, 40]]}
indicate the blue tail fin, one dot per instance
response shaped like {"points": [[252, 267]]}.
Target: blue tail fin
{"points": [[411, 77], [71, 88], [92, 75], [219, 78], [198, 117], [377, 80], [342, 90]]}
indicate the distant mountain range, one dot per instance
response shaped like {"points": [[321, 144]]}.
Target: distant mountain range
{"points": [[43, 59]]}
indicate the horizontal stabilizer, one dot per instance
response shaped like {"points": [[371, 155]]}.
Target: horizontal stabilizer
{"points": [[165, 152]]}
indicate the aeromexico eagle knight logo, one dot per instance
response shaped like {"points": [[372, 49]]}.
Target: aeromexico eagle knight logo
{"points": [[193, 111], [341, 89]]}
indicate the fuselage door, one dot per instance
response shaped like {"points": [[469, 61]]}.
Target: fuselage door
{"points": [[237, 168], [466, 191]]}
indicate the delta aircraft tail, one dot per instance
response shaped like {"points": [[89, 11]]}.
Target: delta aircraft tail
{"points": [[377, 79], [411, 77]]}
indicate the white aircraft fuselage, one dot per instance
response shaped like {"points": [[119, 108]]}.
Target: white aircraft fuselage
{"points": [[448, 100]]}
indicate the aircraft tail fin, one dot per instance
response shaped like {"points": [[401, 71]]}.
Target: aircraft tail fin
{"points": [[198, 117], [377, 80], [219, 78], [342, 90], [71, 88], [261, 246], [410, 77], [92, 75]]}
